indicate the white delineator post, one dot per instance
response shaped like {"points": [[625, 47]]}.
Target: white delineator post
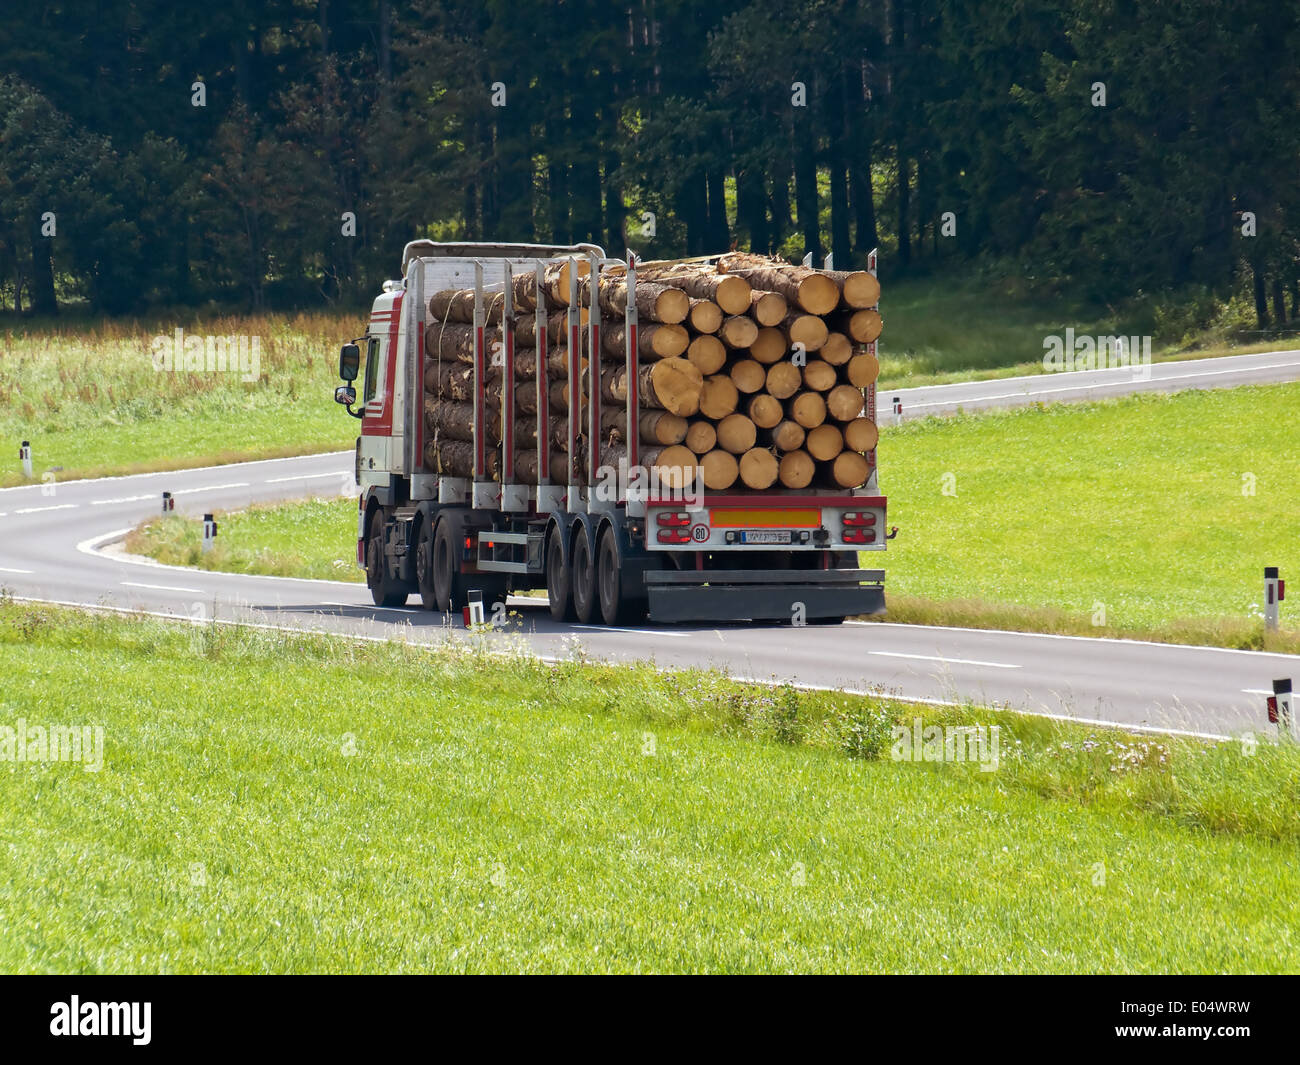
{"points": [[1281, 712], [209, 532], [474, 609], [168, 503], [898, 406], [25, 454], [1274, 593]]}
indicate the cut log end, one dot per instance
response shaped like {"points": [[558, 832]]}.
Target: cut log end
{"points": [[759, 468]]}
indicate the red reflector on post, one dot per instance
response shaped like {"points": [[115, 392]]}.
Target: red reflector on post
{"points": [[1281, 590], [1272, 709]]}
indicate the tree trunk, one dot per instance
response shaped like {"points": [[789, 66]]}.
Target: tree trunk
{"points": [[702, 437], [719, 397], [736, 434], [759, 468], [796, 469], [669, 384], [719, 469], [783, 380]]}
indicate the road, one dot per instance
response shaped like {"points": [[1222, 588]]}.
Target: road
{"points": [[1262, 368], [63, 547]]}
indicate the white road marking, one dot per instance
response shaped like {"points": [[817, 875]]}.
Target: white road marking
{"points": [[163, 587], [306, 477], [210, 488], [123, 499], [952, 661], [645, 632], [1257, 691], [37, 510], [6, 569]]}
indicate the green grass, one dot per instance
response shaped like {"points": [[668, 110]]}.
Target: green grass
{"points": [[89, 399], [305, 538], [1134, 506], [290, 803]]}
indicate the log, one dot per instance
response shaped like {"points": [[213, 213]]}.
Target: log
{"points": [[810, 289], [765, 411], [456, 458], [861, 434], [701, 437], [759, 468], [819, 375], [674, 465], [808, 409], [769, 346], [837, 350], [857, 287], [768, 308], [707, 354], [788, 436], [849, 470], [844, 402], [454, 340], [864, 326], [557, 326], [736, 434], [526, 470], [719, 469], [731, 294], [719, 397], [796, 469], [863, 370], [653, 341], [669, 384], [738, 332], [455, 421], [783, 379], [455, 381], [657, 427], [555, 285], [748, 376], [655, 303], [824, 442], [705, 316], [457, 305], [806, 329]]}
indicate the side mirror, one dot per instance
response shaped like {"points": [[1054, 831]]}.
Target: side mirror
{"points": [[349, 362], [345, 395]]}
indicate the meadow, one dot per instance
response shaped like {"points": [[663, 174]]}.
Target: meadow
{"points": [[288, 803]]}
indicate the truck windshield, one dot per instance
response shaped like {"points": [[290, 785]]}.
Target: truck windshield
{"points": [[372, 368]]}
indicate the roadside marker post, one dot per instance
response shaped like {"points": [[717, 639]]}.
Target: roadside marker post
{"points": [[168, 503], [209, 532], [25, 454], [898, 406], [1280, 711], [1274, 593], [474, 610]]}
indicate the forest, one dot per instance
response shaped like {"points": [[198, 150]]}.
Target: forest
{"points": [[279, 154]]}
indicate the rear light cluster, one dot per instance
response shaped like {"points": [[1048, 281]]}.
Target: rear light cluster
{"points": [[678, 524], [859, 527]]}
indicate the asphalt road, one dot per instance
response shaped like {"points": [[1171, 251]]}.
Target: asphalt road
{"points": [[1266, 367], [60, 544]]}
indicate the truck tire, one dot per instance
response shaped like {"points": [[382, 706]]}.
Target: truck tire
{"points": [[584, 579], [384, 589], [559, 593], [448, 581], [424, 566], [615, 607]]}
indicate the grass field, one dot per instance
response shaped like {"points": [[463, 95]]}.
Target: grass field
{"points": [[91, 402], [278, 803], [1119, 518]]}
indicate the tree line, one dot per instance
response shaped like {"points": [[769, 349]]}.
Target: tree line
{"points": [[277, 154]]}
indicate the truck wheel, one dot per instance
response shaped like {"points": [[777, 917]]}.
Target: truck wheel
{"points": [[559, 595], [424, 566], [384, 590], [584, 579], [448, 582], [615, 608]]}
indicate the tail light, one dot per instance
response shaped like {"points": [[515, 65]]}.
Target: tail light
{"points": [[673, 519], [860, 517], [674, 536], [859, 536]]}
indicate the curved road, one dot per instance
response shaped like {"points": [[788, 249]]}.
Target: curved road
{"points": [[60, 548]]}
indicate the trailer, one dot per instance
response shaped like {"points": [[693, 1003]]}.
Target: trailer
{"points": [[609, 546]]}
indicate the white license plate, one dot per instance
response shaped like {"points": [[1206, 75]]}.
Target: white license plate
{"points": [[766, 536]]}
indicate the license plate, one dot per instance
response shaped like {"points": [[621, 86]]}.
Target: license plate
{"points": [[765, 536]]}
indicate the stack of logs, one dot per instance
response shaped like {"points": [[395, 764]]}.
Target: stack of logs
{"points": [[752, 369]]}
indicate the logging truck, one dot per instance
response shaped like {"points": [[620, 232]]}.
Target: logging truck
{"points": [[674, 441]]}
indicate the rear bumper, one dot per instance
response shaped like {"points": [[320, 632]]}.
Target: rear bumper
{"points": [[763, 595]]}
